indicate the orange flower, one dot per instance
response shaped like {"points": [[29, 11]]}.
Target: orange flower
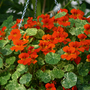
{"points": [[30, 23], [70, 53], [19, 45], [14, 34], [24, 58], [58, 37], [76, 13], [77, 47], [88, 19], [50, 86], [48, 23], [63, 10], [43, 44], [87, 29], [82, 37], [64, 21], [16, 24], [33, 57], [2, 33], [25, 38], [46, 37], [85, 44], [48, 49], [88, 58]]}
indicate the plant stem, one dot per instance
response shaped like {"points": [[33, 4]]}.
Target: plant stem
{"points": [[67, 4], [44, 2]]}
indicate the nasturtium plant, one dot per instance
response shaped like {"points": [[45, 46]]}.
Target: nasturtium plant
{"points": [[46, 53]]}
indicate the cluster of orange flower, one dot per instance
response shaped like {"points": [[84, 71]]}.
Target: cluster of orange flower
{"points": [[25, 58], [49, 41], [2, 33]]}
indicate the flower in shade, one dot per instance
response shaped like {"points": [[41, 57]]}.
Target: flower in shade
{"points": [[49, 86], [88, 58], [87, 29], [14, 34]]}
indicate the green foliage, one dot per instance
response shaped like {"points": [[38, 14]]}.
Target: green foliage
{"points": [[4, 79], [26, 78], [69, 80], [10, 60], [57, 73], [43, 76], [83, 69], [39, 34], [1, 62], [79, 27], [41, 69], [31, 31], [69, 67], [60, 15], [16, 75], [3, 43], [21, 68], [52, 58], [13, 85]]}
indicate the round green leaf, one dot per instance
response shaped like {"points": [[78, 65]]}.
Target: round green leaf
{"points": [[69, 80], [60, 15], [39, 73], [22, 68], [43, 76], [39, 34], [13, 85], [6, 50], [79, 29], [25, 78], [31, 31], [69, 67], [52, 58], [3, 79], [58, 73], [40, 61], [83, 69], [46, 78], [10, 60], [3, 43], [15, 75], [1, 62]]}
